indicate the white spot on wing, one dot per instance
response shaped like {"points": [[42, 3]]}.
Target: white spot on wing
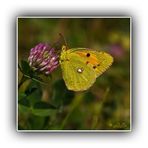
{"points": [[80, 70]]}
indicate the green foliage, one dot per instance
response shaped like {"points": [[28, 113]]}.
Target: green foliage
{"points": [[26, 68], [61, 95], [29, 73], [43, 109]]}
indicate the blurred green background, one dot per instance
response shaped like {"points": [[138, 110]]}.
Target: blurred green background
{"points": [[105, 106]]}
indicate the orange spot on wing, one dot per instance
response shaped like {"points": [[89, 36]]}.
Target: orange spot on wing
{"points": [[82, 54], [91, 59]]}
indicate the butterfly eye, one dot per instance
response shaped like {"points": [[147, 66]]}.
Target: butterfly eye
{"points": [[80, 70]]}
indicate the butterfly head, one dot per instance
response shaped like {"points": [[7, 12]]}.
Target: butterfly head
{"points": [[64, 48], [64, 54]]}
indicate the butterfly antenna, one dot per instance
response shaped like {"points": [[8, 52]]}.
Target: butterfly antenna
{"points": [[56, 45], [64, 40]]}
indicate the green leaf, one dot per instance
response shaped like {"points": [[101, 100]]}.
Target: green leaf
{"points": [[29, 73], [24, 105], [25, 67], [34, 92], [21, 96], [42, 112], [43, 109], [29, 91], [24, 102], [23, 109], [20, 67], [43, 105]]}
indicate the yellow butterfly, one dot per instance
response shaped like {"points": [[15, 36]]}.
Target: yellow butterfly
{"points": [[81, 66]]}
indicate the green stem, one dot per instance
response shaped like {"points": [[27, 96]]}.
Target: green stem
{"points": [[74, 104], [106, 93], [23, 79], [97, 109]]}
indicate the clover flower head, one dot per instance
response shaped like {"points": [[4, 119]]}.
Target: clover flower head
{"points": [[43, 58]]}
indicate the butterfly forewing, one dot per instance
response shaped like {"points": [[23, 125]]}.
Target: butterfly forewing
{"points": [[104, 62], [99, 61]]}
